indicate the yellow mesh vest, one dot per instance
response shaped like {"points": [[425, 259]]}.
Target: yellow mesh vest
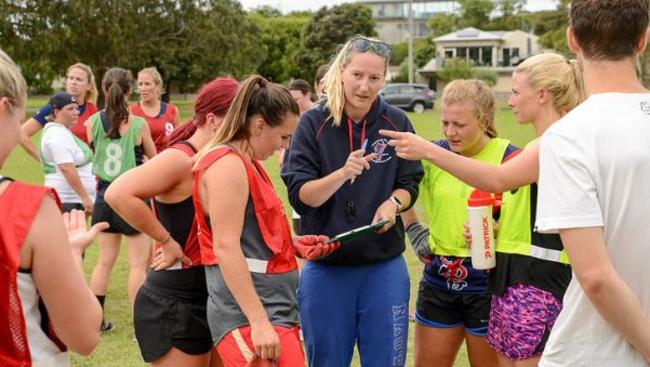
{"points": [[514, 235], [444, 198]]}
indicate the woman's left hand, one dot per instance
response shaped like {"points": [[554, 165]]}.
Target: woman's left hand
{"points": [[407, 145], [386, 211]]}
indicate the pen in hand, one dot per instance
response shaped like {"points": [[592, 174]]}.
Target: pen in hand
{"points": [[363, 146]]}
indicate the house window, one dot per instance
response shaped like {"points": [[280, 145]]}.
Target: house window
{"points": [[510, 56], [486, 56], [461, 52], [449, 53], [474, 56]]}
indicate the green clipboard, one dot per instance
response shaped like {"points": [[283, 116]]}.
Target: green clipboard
{"points": [[353, 233]]}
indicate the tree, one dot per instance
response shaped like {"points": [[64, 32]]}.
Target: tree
{"points": [[441, 24], [423, 51], [475, 13], [398, 53], [30, 33], [509, 16], [189, 41], [280, 38], [327, 30], [551, 26]]}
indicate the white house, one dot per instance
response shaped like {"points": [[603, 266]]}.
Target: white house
{"points": [[498, 51]]}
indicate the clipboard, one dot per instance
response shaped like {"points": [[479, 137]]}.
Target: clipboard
{"points": [[353, 233]]}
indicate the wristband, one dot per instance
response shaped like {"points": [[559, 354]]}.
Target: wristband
{"points": [[393, 199]]}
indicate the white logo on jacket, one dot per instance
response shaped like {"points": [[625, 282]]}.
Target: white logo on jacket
{"points": [[379, 148]]}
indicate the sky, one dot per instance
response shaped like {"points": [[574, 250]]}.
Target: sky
{"points": [[291, 5]]}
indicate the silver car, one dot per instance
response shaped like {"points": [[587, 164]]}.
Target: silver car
{"points": [[412, 97]]}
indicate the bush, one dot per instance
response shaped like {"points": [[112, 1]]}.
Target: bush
{"points": [[460, 69], [403, 75], [488, 76], [455, 69]]}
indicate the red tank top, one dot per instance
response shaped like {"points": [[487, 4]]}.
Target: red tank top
{"points": [[191, 246], [79, 129], [269, 212], [161, 126], [19, 204]]}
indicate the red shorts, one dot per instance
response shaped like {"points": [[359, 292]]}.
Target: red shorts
{"points": [[236, 349]]}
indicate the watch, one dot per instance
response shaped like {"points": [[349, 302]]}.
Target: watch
{"points": [[396, 201]]}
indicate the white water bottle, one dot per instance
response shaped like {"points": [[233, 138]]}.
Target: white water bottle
{"points": [[479, 213]]}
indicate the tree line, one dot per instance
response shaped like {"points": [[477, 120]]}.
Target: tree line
{"points": [[189, 41]]}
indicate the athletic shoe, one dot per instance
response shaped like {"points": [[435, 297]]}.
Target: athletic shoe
{"points": [[106, 327]]}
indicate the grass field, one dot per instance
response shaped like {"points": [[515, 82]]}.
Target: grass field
{"points": [[117, 348]]}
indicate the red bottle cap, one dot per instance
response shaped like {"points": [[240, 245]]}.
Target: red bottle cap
{"points": [[480, 198]]}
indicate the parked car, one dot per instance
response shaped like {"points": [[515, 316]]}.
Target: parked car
{"points": [[413, 97]]}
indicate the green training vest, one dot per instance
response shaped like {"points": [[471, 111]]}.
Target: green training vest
{"points": [[444, 198], [85, 149], [114, 156], [514, 235]]}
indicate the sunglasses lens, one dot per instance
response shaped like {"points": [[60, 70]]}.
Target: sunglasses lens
{"points": [[361, 44], [382, 48]]}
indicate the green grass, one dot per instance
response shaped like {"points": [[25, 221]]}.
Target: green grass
{"points": [[117, 348]]}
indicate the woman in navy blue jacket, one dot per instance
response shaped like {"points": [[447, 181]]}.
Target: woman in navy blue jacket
{"points": [[341, 174]]}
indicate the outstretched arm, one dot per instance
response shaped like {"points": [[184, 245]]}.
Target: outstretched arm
{"points": [[519, 171]]}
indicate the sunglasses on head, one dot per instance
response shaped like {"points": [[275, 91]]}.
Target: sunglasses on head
{"points": [[363, 44]]}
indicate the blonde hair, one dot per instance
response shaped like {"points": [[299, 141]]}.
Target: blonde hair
{"points": [[256, 96], [155, 75], [562, 78], [481, 97], [12, 83], [91, 95], [333, 83]]}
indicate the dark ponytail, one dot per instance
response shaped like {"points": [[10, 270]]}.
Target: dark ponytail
{"points": [[116, 84], [214, 97]]}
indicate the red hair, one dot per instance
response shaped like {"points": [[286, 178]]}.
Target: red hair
{"points": [[215, 97]]}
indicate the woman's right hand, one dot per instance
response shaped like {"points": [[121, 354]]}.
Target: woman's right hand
{"points": [[356, 163], [265, 340]]}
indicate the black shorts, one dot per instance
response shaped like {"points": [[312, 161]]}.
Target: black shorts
{"points": [[102, 212], [68, 207], [440, 308], [171, 315]]}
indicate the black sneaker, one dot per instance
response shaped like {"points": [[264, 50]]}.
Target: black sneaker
{"points": [[106, 327]]}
